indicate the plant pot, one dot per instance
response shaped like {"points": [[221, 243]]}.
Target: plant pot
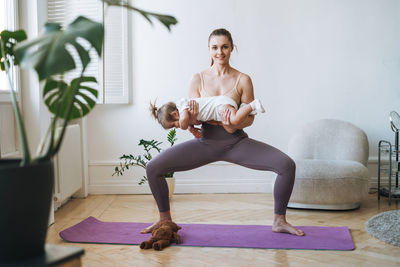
{"points": [[171, 185], [25, 200]]}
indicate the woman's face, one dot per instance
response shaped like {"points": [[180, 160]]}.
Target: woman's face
{"points": [[220, 49]]}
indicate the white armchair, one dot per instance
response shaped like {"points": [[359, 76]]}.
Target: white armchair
{"points": [[331, 158]]}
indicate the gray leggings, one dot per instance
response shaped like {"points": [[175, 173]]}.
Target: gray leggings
{"points": [[219, 145]]}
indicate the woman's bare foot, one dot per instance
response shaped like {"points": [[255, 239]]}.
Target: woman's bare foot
{"points": [[152, 227], [164, 216], [282, 226]]}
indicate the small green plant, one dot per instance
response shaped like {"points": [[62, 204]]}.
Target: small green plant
{"points": [[141, 160]]}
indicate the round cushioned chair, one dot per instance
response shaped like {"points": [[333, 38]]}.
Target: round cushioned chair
{"points": [[331, 158]]}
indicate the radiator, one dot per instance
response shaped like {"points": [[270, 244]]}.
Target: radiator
{"points": [[8, 142], [68, 165]]}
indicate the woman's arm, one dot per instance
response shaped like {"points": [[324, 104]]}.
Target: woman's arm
{"points": [[194, 86], [194, 92], [195, 131], [245, 88]]}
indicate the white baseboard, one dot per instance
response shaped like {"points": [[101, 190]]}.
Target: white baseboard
{"points": [[182, 188], [217, 177], [384, 182], [11, 155]]}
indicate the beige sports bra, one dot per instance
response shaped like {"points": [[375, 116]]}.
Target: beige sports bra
{"points": [[233, 93]]}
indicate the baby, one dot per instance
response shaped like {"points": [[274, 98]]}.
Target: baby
{"points": [[177, 114]]}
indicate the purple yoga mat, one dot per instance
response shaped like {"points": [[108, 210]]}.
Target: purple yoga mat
{"points": [[92, 230]]}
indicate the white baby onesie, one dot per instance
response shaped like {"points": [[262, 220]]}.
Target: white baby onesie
{"points": [[209, 107]]}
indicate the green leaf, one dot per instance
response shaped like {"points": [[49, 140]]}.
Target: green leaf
{"points": [[166, 20], [9, 40], [148, 145], [48, 53], [58, 96], [172, 137]]}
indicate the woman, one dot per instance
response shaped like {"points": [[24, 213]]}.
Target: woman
{"points": [[227, 143]]}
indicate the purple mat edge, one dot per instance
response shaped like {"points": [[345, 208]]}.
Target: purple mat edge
{"points": [[350, 248]]}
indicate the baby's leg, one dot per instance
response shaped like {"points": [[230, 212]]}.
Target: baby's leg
{"points": [[237, 116]]}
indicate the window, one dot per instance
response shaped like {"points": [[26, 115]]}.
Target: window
{"points": [[3, 77], [111, 71], [8, 139], [8, 21]]}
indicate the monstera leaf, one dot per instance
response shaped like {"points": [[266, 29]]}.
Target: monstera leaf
{"points": [[166, 20], [48, 53], [59, 97], [9, 39]]}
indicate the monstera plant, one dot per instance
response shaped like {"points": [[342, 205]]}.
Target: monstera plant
{"points": [[26, 184], [49, 57]]}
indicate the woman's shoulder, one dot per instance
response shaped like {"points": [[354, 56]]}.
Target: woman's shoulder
{"points": [[245, 84], [195, 79], [198, 76], [195, 86], [203, 73], [244, 78]]}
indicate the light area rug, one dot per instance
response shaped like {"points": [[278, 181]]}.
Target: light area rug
{"points": [[385, 226]]}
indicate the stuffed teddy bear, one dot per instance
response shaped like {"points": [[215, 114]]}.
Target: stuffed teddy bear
{"points": [[164, 235]]}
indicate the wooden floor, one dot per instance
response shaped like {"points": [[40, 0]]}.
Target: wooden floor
{"points": [[224, 209]]}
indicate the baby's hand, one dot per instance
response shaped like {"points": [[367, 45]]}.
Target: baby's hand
{"points": [[195, 131], [193, 109]]}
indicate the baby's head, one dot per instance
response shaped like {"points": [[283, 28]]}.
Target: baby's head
{"points": [[167, 115]]}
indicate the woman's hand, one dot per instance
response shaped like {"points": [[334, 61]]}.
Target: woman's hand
{"points": [[226, 121], [195, 131], [225, 117]]}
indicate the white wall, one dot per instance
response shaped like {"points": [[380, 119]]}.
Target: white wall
{"points": [[308, 60]]}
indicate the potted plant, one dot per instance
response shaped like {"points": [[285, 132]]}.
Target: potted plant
{"points": [[26, 184], [127, 161]]}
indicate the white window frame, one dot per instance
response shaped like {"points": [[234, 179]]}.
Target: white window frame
{"points": [[11, 24]]}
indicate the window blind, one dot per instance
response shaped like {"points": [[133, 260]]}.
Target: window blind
{"points": [[111, 71], [116, 55]]}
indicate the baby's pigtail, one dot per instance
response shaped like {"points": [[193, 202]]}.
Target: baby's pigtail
{"points": [[153, 109]]}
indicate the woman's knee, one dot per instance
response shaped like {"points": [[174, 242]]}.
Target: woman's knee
{"points": [[288, 166], [153, 169]]}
